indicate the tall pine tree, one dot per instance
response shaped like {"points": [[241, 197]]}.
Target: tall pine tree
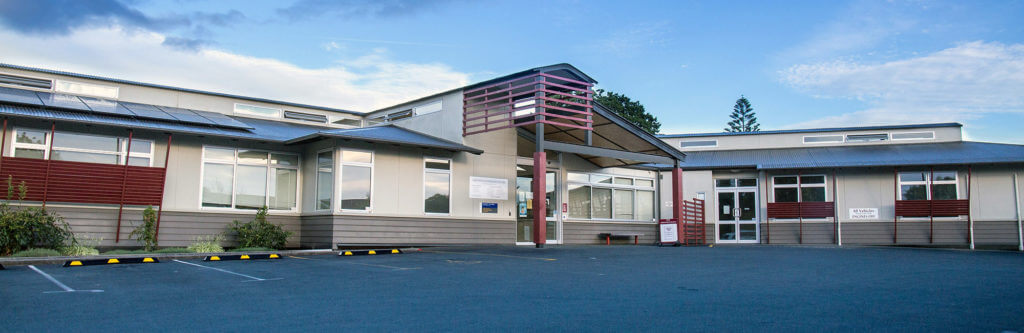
{"points": [[743, 117]]}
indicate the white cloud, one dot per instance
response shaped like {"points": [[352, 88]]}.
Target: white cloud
{"points": [[956, 84], [361, 84]]}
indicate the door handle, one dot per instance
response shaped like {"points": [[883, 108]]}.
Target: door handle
{"points": [[736, 211]]}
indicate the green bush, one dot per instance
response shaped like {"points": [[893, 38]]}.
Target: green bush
{"points": [[260, 233], [37, 252], [30, 227], [207, 244], [85, 246], [123, 251], [173, 250], [145, 233]]}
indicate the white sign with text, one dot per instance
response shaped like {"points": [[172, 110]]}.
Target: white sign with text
{"points": [[488, 188], [863, 213]]}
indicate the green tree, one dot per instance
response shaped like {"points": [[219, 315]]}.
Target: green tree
{"points": [[743, 117], [626, 107]]}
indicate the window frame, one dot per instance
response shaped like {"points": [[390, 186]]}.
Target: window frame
{"points": [[892, 136], [278, 115], [57, 83], [450, 172], [47, 148], [234, 178], [614, 187], [928, 182], [800, 185], [334, 180], [339, 184], [841, 139]]}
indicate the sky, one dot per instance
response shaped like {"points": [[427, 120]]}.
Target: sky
{"points": [[802, 64]]}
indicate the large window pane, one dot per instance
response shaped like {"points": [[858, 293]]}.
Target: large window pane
{"points": [[944, 192], [356, 156], [217, 185], [138, 161], [914, 192], [33, 137], [436, 192], [787, 194], [788, 180], [623, 205], [219, 154], [725, 182], [355, 187], [282, 191], [252, 156], [324, 179], [82, 141], [624, 181], [438, 164], [812, 194], [284, 159], [578, 177], [812, 179], [912, 176], [645, 205], [140, 146], [602, 202], [579, 201], [29, 153], [252, 187], [944, 175], [645, 182], [74, 156]]}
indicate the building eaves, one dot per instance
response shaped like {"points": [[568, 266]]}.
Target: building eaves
{"points": [[813, 130]]}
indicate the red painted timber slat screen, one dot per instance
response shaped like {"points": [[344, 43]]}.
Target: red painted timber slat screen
{"points": [[517, 102], [692, 229], [794, 210], [935, 208], [79, 182]]}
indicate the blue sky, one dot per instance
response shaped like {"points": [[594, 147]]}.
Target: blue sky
{"points": [[801, 63]]}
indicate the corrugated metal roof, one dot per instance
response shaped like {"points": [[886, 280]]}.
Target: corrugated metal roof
{"points": [[815, 130], [389, 133], [262, 130], [947, 153], [143, 84]]}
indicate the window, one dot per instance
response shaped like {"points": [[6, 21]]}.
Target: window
{"points": [[734, 182], [79, 88], [249, 179], [427, 108], [25, 82], [809, 188], [823, 138], [701, 143], [596, 196], [77, 147], [259, 111], [867, 137], [324, 179], [913, 136], [915, 185], [346, 121], [310, 117], [437, 174], [356, 180]]}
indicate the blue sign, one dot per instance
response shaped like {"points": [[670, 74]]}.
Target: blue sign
{"points": [[489, 207]]}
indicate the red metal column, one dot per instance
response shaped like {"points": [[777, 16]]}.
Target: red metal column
{"points": [[677, 201], [160, 211], [124, 183], [3, 142], [49, 154], [768, 220], [931, 206], [540, 223], [895, 195], [970, 225], [799, 209]]}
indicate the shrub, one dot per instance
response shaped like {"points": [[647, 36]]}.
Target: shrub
{"points": [[37, 252], [123, 251], [30, 227], [260, 233], [85, 246], [206, 244], [251, 249], [145, 233]]}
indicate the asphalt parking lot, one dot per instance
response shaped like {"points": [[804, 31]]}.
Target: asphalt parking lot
{"points": [[572, 288]]}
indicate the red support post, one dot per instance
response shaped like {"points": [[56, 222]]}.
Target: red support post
{"points": [[160, 211], [895, 196], [3, 142], [540, 162], [767, 220], [124, 186], [799, 198], [677, 202], [931, 206], [970, 225], [49, 155]]}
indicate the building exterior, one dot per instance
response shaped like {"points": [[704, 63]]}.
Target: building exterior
{"points": [[527, 158]]}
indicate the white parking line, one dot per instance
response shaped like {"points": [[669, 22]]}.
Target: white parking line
{"points": [[61, 285], [252, 278]]}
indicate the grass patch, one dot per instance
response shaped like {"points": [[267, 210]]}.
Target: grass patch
{"points": [[173, 250], [252, 249], [36, 252]]}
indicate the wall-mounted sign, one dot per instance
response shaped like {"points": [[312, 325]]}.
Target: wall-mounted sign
{"points": [[488, 188], [489, 207], [669, 233], [522, 209], [863, 213]]}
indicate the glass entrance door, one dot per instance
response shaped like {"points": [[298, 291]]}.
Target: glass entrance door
{"points": [[525, 207], [737, 212]]}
